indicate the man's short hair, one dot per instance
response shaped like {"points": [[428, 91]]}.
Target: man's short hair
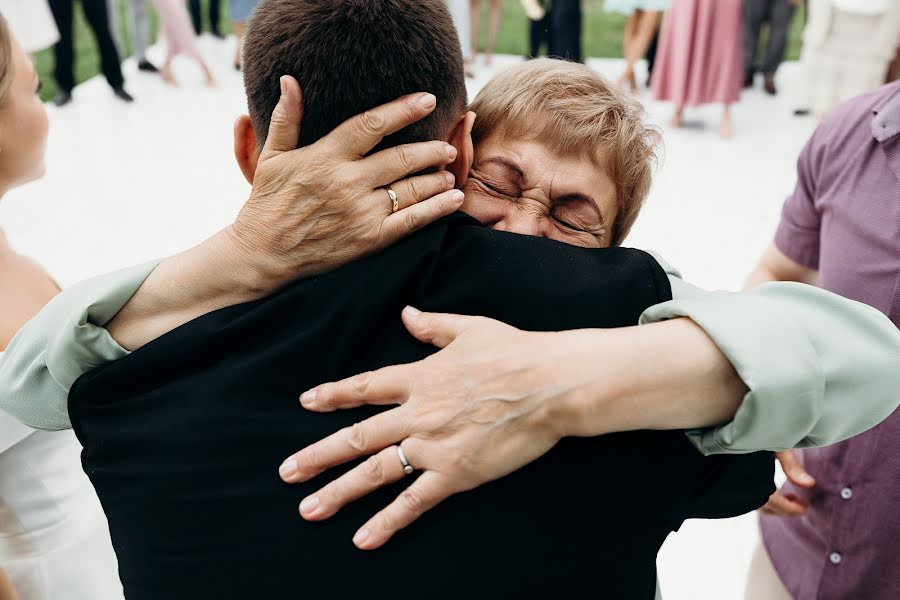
{"points": [[353, 55], [573, 110]]}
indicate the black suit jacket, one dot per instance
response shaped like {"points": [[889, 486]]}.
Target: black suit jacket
{"points": [[183, 438]]}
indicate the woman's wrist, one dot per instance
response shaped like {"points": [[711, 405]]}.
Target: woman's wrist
{"points": [[667, 375]]}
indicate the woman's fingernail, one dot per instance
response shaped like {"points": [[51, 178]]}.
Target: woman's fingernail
{"points": [[412, 311], [287, 468], [449, 177], [283, 82], [806, 478], [427, 100], [309, 505], [361, 536], [457, 196], [452, 152], [309, 397]]}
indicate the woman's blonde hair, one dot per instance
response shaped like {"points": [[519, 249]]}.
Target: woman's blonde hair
{"points": [[576, 112], [7, 69]]}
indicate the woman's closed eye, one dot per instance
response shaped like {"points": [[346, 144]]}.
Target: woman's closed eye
{"points": [[499, 189], [577, 215]]}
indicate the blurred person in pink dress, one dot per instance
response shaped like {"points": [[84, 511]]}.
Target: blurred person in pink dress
{"points": [[180, 38], [699, 60]]}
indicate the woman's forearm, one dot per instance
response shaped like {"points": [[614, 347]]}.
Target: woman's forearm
{"points": [[205, 278], [667, 375]]}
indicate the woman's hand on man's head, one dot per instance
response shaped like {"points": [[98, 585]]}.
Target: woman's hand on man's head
{"points": [[316, 208], [312, 210]]}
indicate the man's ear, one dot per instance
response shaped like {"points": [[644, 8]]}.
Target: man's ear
{"points": [[245, 148], [461, 138]]}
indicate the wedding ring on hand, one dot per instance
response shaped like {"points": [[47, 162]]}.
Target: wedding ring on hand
{"points": [[395, 203], [407, 468]]}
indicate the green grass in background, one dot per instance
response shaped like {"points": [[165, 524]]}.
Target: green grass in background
{"points": [[602, 37], [87, 59]]}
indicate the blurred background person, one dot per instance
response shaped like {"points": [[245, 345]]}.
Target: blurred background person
{"points": [[214, 17], [832, 529], [778, 14], [565, 29], [97, 17], [55, 540], [180, 39], [699, 57], [495, 12], [894, 68], [640, 29], [462, 20], [139, 30], [847, 48], [538, 26], [651, 55], [6, 589], [31, 22], [241, 10]]}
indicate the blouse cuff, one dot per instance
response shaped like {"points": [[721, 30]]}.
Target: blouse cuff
{"points": [[773, 357]]}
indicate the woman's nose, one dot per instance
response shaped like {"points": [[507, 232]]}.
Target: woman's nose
{"points": [[523, 222]]}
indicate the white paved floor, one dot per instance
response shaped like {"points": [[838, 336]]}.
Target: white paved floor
{"points": [[127, 183]]}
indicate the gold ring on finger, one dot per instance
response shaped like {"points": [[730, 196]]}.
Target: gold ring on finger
{"points": [[407, 468], [395, 202]]}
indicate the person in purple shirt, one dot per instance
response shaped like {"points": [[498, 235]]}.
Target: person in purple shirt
{"points": [[832, 530]]}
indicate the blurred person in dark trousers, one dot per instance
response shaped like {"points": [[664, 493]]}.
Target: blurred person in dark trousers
{"points": [[214, 12], [778, 14], [138, 29], [97, 16], [565, 29], [538, 26]]}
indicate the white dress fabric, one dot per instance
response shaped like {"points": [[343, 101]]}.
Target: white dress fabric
{"points": [[54, 539], [848, 46], [31, 22], [460, 13]]}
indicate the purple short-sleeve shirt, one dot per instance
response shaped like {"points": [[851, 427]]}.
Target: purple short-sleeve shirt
{"points": [[844, 220]]}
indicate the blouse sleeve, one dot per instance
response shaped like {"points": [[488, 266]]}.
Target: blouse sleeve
{"points": [[64, 341], [820, 368]]}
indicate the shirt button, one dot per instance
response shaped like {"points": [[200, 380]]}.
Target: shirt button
{"points": [[846, 493], [835, 558]]}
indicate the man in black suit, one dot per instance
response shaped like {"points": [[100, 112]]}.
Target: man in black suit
{"points": [[95, 12]]}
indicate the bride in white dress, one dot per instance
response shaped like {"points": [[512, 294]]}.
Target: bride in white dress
{"points": [[54, 539], [31, 22]]}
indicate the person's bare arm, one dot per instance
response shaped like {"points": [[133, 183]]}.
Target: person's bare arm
{"points": [[6, 588], [311, 211], [775, 266]]}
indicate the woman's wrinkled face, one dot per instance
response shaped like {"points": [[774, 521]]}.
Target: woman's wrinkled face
{"points": [[23, 126], [521, 187]]}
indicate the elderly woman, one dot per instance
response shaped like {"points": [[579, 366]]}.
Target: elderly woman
{"points": [[593, 205], [55, 538]]}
